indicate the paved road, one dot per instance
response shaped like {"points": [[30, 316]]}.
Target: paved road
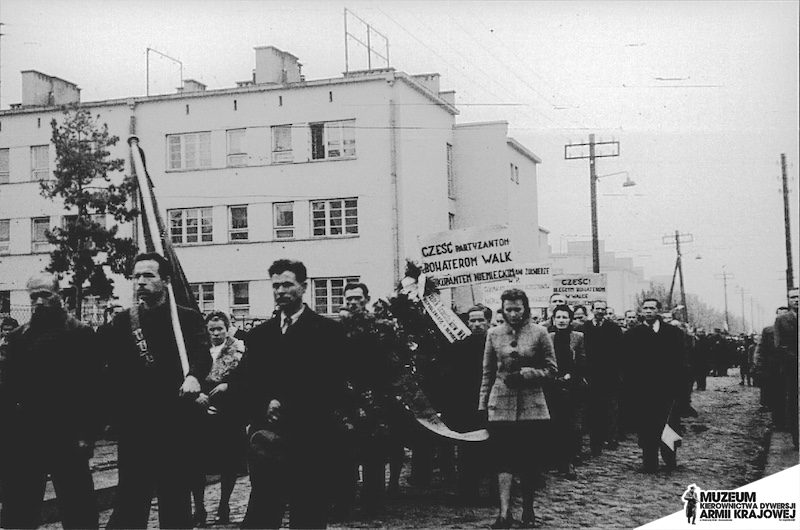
{"points": [[723, 448]]}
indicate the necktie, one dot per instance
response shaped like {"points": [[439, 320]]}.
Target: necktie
{"points": [[287, 323]]}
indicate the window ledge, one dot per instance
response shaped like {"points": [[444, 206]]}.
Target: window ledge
{"points": [[262, 241]]}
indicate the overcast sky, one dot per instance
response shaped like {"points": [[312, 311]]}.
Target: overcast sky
{"points": [[702, 96]]}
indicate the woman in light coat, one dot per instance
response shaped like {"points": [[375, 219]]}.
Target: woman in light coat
{"points": [[517, 360]]}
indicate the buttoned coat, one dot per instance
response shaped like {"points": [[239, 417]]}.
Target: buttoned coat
{"points": [[506, 350]]}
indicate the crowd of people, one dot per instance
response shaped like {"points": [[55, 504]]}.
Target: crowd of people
{"points": [[306, 405]]}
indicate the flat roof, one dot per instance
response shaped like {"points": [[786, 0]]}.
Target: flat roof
{"points": [[409, 80]]}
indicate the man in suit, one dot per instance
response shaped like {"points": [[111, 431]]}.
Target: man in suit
{"points": [[654, 377], [292, 379], [153, 400], [766, 371], [786, 344], [603, 340]]}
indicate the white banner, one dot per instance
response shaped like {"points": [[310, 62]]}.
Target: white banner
{"points": [[444, 317], [533, 278], [468, 256], [581, 289]]}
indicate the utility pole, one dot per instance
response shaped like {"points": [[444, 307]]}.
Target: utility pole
{"points": [[725, 277], [667, 240], [752, 320], [1, 80], [593, 187], [742, 292], [787, 227]]}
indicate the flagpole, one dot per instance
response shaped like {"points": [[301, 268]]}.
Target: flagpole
{"points": [[149, 217]]}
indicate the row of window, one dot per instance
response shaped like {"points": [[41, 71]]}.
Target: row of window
{"points": [[39, 228], [329, 218], [328, 140], [327, 295], [40, 163]]}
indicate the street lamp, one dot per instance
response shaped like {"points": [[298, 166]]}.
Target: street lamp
{"points": [[595, 243]]}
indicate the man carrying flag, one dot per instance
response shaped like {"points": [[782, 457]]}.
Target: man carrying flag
{"points": [[153, 399], [654, 353]]}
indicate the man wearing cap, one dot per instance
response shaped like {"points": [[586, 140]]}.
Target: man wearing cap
{"points": [[49, 377], [153, 401]]}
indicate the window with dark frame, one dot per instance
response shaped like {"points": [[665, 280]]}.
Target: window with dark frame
{"points": [[5, 236], [4, 167], [238, 229], [190, 226], [283, 220], [329, 294], [39, 228], [334, 217], [204, 296], [333, 139]]}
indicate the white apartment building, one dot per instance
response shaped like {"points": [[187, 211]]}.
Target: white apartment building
{"points": [[343, 174]]}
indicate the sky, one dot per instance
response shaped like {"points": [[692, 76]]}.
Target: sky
{"points": [[701, 96]]}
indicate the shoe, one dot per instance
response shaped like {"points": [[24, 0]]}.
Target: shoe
{"points": [[528, 519], [505, 522], [199, 518], [612, 445], [597, 451], [223, 515], [569, 473], [647, 470]]}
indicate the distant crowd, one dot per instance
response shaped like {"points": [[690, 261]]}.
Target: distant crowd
{"points": [[315, 409]]}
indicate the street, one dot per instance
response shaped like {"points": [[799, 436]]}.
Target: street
{"points": [[723, 448]]}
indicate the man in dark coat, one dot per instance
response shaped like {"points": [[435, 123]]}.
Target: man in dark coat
{"points": [[654, 375], [702, 357], [293, 383], [153, 401], [603, 340], [464, 372], [767, 374], [786, 344], [369, 396], [49, 380]]}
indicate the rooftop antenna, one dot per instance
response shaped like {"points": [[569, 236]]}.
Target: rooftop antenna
{"points": [[166, 57], [371, 33]]}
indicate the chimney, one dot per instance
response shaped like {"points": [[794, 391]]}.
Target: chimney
{"points": [[449, 96], [192, 85], [429, 81], [42, 90], [276, 66]]}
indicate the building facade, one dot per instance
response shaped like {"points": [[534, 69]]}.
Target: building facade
{"points": [[343, 174]]}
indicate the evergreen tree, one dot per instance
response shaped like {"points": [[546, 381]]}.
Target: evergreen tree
{"points": [[84, 245]]}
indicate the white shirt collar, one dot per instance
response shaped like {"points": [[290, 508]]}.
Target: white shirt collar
{"points": [[656, 325]]}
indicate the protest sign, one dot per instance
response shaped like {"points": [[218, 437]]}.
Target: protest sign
{"points": [[581, 289], [533, 278], [468, 256]]}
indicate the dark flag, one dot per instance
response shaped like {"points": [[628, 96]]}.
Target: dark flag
{"points": [[156, 240], [183, 292]]}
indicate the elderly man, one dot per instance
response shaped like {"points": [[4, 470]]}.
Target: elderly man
{"points": [[153, 400], [50, 377], [294, 384]]}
